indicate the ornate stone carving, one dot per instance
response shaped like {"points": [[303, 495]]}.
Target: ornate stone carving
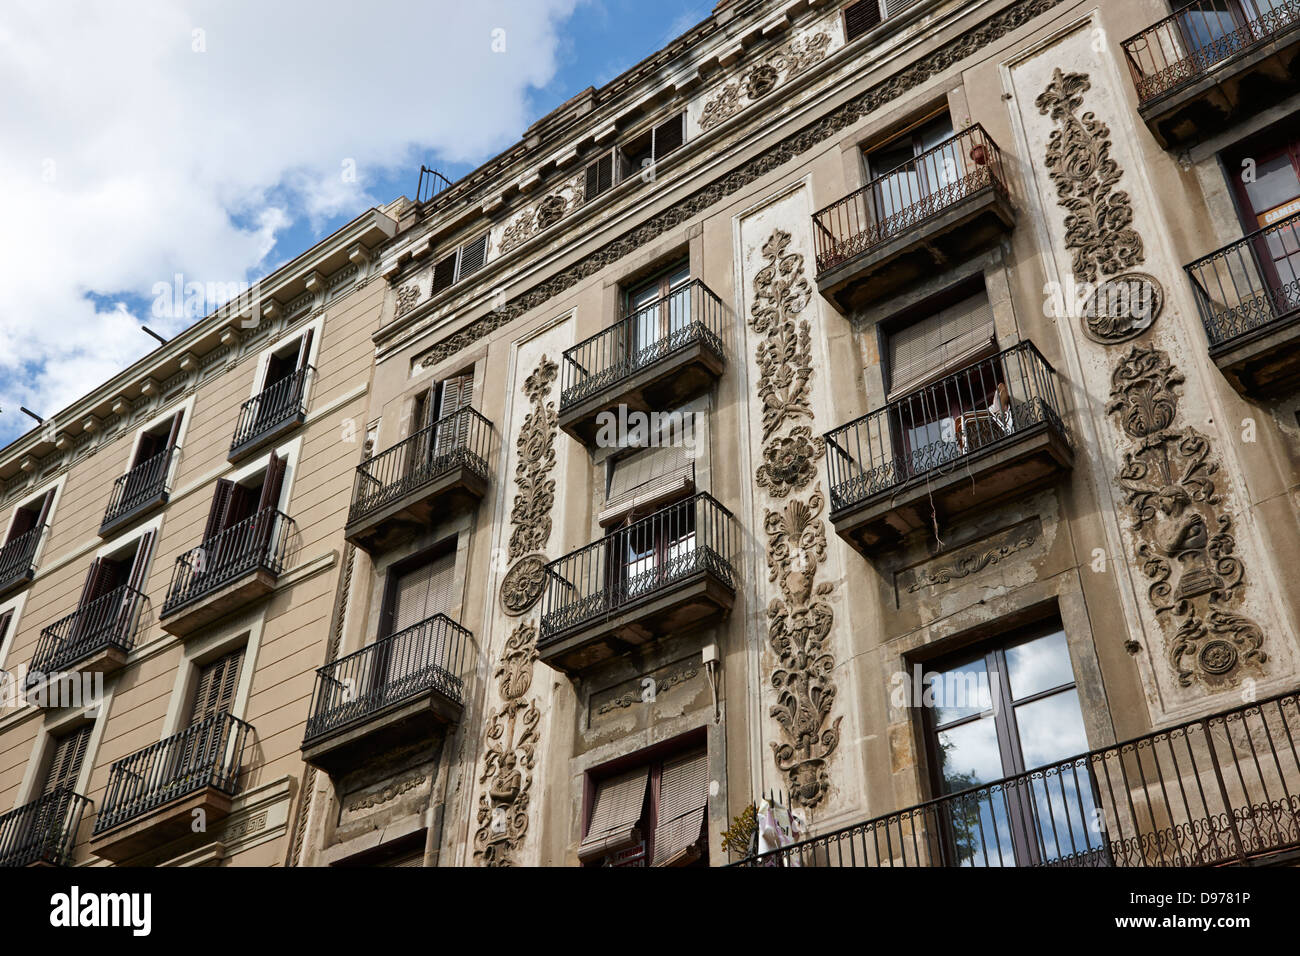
{"points": [[385, 794], [511, 740], [1186, 545], [648, 688], [546, 213], [531, 514], [407, 297], [809, 137], [799, 622], [763, 77], [523, 584], [970, 564]]}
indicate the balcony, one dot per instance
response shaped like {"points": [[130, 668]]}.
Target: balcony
{"points": [[946, 205], [659, 576], [94, 638], [18, 560], [1219, 790], [153, 795], [227, 572], [438, 469], [1213, 63], [654, 359], [138, 492], [42, 832], [1248, 294], [397, 691], [271, 414], [991, 431]]}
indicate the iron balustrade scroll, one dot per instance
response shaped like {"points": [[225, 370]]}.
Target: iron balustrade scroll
{"points": [[259, 542], [1251, 283], [142, 485], [42, 831], [107, 621], [903, 198], [277, 403], [209, 753], [1220, 789], [1201, 35], [462, 438], [428, 656], [936, 427], [637, 561], [18, 557], [686, 315]]}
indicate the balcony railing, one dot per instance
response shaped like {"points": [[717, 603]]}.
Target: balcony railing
{"points": [[42, 831], [940, 425], [1251, 283], [273, 406], [429, 656], [461, 438], [106, 622], [259, 542], [143, 485], [903, 198], [654, 331], [638, 561], [18, 557], [1220, 789], [208, 754], [1200, 36]]}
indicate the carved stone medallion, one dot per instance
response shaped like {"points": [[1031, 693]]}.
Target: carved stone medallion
{"points": [[523, 584], [763, 77]]}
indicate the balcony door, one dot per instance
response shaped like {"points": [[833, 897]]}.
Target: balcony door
{"points": [[282, 383], [1213, 30], [910, 168], [411, 650], [653, 551], [109, 596], [148, 467], [199, 753], [1000, 712], [20, 543], [241, 520], [657, 311], [44, 829], [1268, 200], [451, 396]]}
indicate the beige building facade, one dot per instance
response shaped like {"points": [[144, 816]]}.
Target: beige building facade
{"points": [[884, 410]]}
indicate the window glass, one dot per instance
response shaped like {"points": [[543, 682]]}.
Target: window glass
{"points": [[1039, 665]]}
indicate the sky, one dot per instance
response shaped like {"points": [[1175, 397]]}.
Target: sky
{"points": [[211, 141]]}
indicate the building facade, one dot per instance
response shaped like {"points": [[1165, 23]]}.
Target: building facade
{"points": [[888, 408]]}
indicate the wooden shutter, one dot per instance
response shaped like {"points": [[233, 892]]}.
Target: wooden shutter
{"points": [[422, 592], [669, 135], [148, 446], [860, 18], [215, 693], [304, 349], [99, 580], [472, 256], [455, 394], [174, 433], [273, 483], [683, 800], [65, 763], [939, 344], [221, 498], [28, 517], [600, 176], [5, 618], [615, 813], [894, 7], [140, 565], [444, 273]]}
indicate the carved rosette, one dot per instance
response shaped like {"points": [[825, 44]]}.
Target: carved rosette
{"points": [[523, 584], [1185, 536], [800, 620], [765, 76], [547, 212], [1099, 217]]}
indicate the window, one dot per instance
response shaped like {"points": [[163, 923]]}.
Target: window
{"points": [[287, 360], [235, 505], [1214, 30], [1271, 202], [600, 176], [214, 692], [863, 16], [651, 815], [19, 551], [147, 473], [646, 479], [639, 153], [458, 264], [911, 167], [63, 768], [30, 517], [109, 593], [657, 312], [283, 384], [415, 592], [202, 744], [1003, 711]]}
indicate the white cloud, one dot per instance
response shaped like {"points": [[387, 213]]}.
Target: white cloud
{"points": [[186, 137]]}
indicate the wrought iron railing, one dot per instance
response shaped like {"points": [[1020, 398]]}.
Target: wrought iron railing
{"points": [[935, 428], [1219, 789], [1201, 35], [271, 407], [1250, 283], [903, 198], [18, 557], [640, 338], [107, 621], [142, 485], [429, 656], [431, 183], [42, 831], [461, 438], [259, 542], [684, 539], [209, 753]]}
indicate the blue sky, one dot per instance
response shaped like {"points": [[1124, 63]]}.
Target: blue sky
{"points": [[208, 140]]}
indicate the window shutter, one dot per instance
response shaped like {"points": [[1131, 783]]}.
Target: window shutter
{"points": [[140, 565], [273, 483], [600, 176], [65, 762], [99, 579], [669, 135], [894, 7], [304, 349], [939, 344], [174, 432], [683, 800], [148, 446], [24, 521], [615, 814], [472, 256], [422, 592], [5, 618], [215, 693], [220, 507], [859, 18], [444, 273]]}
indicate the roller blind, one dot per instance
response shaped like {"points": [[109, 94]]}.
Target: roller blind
{"points": [[683, 800], [423, 591], [939, 344], [645, 477], [615, 813]]}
